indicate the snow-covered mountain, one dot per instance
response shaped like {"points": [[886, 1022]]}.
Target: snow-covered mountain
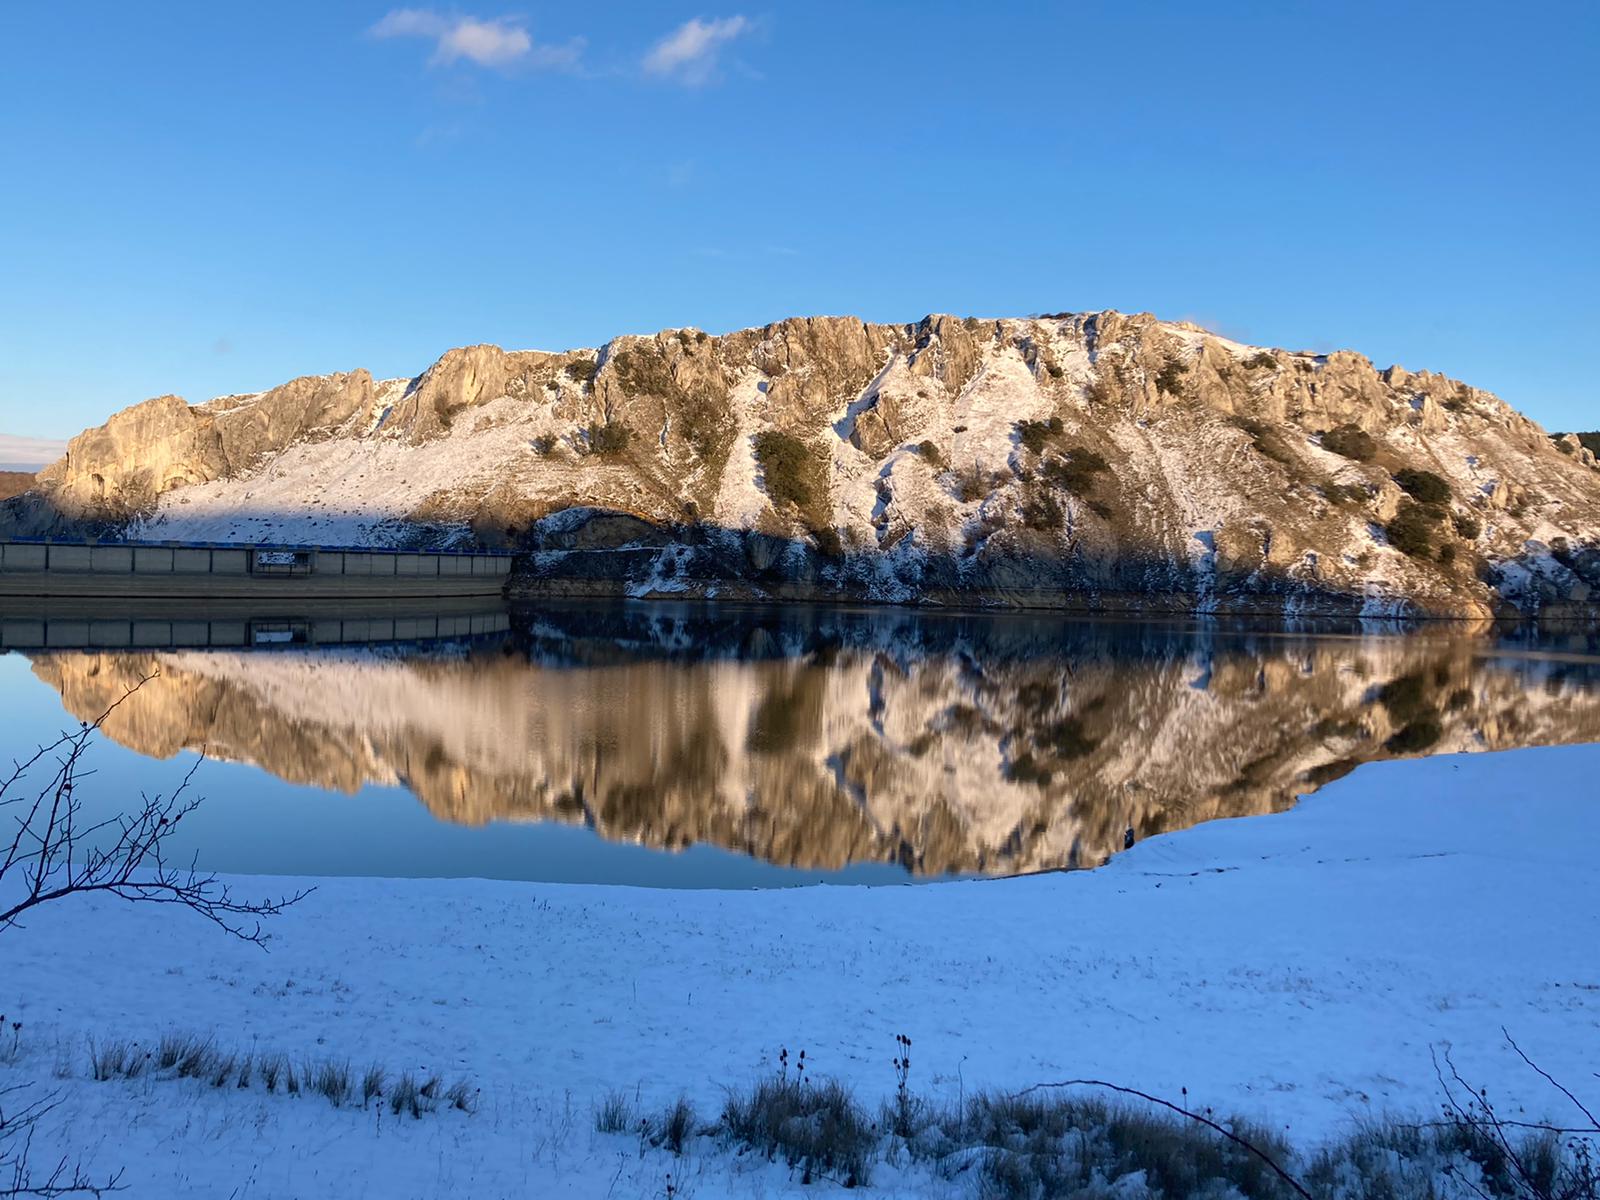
{"points": [[1082, 460]]}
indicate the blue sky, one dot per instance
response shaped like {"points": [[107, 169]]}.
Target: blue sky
{"points": [[204, 198]]}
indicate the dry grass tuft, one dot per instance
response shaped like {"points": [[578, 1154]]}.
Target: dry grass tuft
{"points": [[815, 1126], [614, 1114]]}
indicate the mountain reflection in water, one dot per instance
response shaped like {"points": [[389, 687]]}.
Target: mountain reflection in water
{"points": [[822, 738]]}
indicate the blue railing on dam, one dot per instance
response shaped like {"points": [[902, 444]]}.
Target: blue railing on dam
{"points": [[41, 559]]}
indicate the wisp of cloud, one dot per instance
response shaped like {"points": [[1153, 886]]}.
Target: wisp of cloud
{"points": [[493, 42], [689, 53]]}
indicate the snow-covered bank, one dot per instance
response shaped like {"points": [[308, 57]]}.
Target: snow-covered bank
{"points": [[1296, 967]]}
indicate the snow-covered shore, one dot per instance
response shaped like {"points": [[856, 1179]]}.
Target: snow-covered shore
{"points": [[1297, 968]]}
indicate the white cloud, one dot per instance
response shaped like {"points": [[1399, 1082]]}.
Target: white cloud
{"points": [[689, 53], [28, 453], [495, 42]]}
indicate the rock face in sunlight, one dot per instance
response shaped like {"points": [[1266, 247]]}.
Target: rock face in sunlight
{"points": [[961, 748], [1082, 460]]}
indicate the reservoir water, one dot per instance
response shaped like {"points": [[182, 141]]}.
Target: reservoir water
{"points": [[708, 746]]}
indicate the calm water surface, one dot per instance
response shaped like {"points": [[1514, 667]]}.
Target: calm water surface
{"points": [[722, 747]]}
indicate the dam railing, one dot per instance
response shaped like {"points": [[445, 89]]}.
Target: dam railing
{"points": [[52, 567], [235, 559]]}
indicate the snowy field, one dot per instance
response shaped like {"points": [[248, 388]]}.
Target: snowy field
{"points": [[1298, 968]]}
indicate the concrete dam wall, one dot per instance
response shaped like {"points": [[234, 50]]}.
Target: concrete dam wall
{"points": [[30, 568]]}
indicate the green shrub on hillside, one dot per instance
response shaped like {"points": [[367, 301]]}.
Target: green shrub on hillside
{"points": [[607, 440], [1261, 360], [704, 424], [930, 452], [829, 542], [1424, 486], [1351, 441], [581, 370], [1076, 473], [1268, 441], [1343, 494], [1467, 526], [1034, 434], [1043, 513], [1089, 460], [973, 483], [1414, 531], [644, 371], [1169, 378], [788, 468], [1102, 389]]}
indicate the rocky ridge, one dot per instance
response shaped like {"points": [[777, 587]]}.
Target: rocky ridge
{"points": [[1096, 460]]}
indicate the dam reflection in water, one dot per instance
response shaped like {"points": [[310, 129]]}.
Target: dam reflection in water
{"points": [[705, 746]]}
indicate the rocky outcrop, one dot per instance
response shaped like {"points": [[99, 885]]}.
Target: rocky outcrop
{"points": [[944, 744], [462, 379], [119, 471], [1581, 446], [1090, 460]]}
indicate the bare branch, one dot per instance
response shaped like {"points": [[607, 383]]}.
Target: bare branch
{"points": [[17, 1178], [1594, 1126], [1531, 1126], [54, 853], [51, 852], [1476, 1116]]}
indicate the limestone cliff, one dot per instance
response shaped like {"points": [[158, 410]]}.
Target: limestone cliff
{"points": [[1093, 460]]}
